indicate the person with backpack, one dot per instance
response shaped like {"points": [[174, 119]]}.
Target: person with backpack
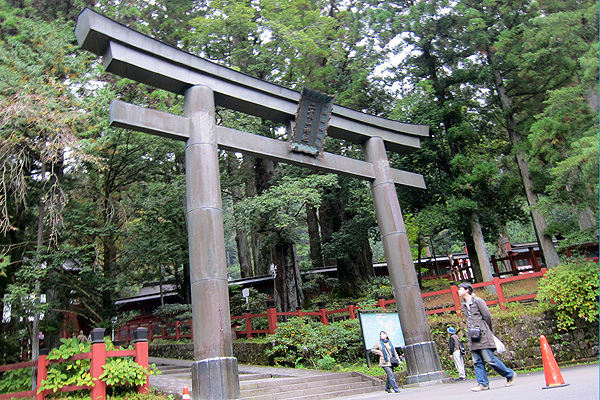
{"points": [[456, 351]]}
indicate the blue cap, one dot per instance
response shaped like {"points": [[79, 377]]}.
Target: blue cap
{"points": [[451, 330]]}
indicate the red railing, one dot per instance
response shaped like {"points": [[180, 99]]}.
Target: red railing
{"points": [[97, 355], [249, 321]]}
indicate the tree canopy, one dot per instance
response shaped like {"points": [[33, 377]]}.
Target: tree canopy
{"points": [[89, 213]]}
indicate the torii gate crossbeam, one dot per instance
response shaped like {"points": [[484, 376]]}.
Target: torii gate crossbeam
{"points": [[204, 85]]}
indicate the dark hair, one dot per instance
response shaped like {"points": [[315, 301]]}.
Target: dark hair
{"points": [[466, 285]]}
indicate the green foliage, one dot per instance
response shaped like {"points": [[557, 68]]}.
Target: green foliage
{"points": [[571, 291], [433, 285], [237, 302], [123, 371], [280, 209], [69, 372], [380, 286], [173, 312], [16, 380], [117, 370], [303, 342], [326, 363]]}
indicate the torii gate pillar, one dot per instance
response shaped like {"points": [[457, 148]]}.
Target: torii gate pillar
{"points": [[215, 370], [422, 359]]}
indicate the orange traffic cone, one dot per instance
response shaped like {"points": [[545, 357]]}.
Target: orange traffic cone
{"points": [[551, 370], [186, 394]]}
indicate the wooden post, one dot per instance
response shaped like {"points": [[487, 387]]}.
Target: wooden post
{"points": [[381, 303], [42, 373], [351, 308], [299, 312], [177, 330], [534, 260], [455, 297], [499, 292], [323, 313], [248, 325], [513, 265], [271, 316], [495, 264], [141, 356], [98, 391]]}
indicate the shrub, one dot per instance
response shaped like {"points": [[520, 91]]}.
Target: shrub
{"points": [[302, 342], [326, 363], [170, 313], [378, 287], [17, 380], [571, 291]]}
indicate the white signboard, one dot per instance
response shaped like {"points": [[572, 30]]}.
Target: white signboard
{"points": [[372, 323]]}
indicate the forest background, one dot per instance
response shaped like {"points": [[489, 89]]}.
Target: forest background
{"points": [[88, 212]]}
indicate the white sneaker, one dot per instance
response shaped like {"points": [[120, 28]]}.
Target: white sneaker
{"points": [[480, 387], [511, 380]]}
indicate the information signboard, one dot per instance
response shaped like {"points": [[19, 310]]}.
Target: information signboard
{"points": [[373, 322]]}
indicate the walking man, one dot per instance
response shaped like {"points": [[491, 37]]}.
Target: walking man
{"points": [[481, 338], [456, 351]]}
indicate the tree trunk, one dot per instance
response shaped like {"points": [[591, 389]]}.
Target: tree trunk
{"points": [[472, 253], [419, 261], [35, 330], [482, 255], [586, 219], [262, 172], [327, 222], [355, 270], [314, 238], [241, 240], [501, 242], [244, 257], [539, 221], [288, 283]]}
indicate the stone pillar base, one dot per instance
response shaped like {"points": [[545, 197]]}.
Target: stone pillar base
{"points": [[423, 364], [215, 379]]}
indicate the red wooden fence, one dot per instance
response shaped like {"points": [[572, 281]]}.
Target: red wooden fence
{"points": [[159, 330], [98, 357]]}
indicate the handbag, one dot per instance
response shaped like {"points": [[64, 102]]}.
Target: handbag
{"points": [[475, 334], [394, 361], [462, 349], [500, 347]]}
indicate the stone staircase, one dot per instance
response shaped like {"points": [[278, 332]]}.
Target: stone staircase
{"points": [[272, 384], [319, 387]]}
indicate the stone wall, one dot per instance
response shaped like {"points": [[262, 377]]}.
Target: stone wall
{"points": [[520, 334], [245, 352]]}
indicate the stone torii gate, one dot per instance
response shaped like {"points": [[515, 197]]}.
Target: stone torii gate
{"points": [[133, 55]]}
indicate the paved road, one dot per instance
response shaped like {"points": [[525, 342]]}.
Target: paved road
{"points": [[582, 380]]}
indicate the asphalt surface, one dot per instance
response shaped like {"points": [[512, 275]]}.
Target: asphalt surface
{"points": [[582, 380], [582, 385]]}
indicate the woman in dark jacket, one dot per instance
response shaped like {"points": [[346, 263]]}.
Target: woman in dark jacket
{"points": [[479, 319]]}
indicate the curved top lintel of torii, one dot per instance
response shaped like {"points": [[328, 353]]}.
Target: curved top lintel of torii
{"points": [[136, 56]]}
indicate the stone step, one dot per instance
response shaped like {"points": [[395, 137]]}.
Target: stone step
{"points": [[311, 379], [183, 370], [282, 384], [311, 388], [254, 377]]}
